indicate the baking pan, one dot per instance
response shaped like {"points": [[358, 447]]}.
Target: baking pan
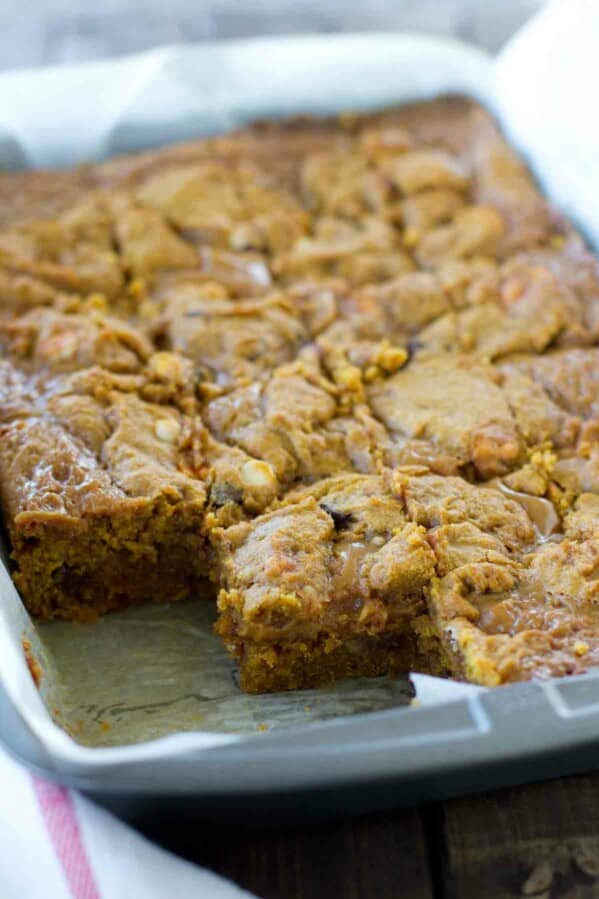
{"points": [[457, 738]]}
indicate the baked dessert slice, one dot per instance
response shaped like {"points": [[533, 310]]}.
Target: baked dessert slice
{"points": [[502, 620], [327, 585], [336, 580], [514, 595], [370, 575], [97, 513]]}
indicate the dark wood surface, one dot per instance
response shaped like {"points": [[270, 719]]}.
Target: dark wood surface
{"points": [[539, 841]]}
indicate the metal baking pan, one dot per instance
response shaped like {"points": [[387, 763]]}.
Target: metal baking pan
{"points": [[459, 738]]}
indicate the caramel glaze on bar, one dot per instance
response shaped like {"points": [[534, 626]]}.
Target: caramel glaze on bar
{"points": [[347, 369]]}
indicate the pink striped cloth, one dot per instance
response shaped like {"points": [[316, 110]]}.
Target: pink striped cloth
{"points": [[56, 845]]}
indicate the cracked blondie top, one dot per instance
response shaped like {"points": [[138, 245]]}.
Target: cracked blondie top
{"points": [[345, 370]]}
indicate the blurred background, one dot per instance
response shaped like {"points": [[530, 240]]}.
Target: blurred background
{"points": [[44, 32]]}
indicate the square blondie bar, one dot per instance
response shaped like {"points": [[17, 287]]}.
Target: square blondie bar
{"points": [[344, 370]]}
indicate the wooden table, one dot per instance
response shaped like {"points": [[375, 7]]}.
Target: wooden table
{"points": [[540, 841]]}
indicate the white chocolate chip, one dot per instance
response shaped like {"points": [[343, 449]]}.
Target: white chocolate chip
{"points": [[245, 237], [61, 347], [258, 474], [165, 365], [68, 348], [167, 430]]}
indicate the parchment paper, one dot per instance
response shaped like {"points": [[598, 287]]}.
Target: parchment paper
{"points": [[154, 670], [160, 669]]}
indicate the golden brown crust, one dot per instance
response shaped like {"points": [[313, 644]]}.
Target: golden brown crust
{"points": [[347, 368]]}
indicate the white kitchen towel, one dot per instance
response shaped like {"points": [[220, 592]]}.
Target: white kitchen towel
{"points": [[54, 844]]}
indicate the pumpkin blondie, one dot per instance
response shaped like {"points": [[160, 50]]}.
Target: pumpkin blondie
{"points": [[346, 370]]}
